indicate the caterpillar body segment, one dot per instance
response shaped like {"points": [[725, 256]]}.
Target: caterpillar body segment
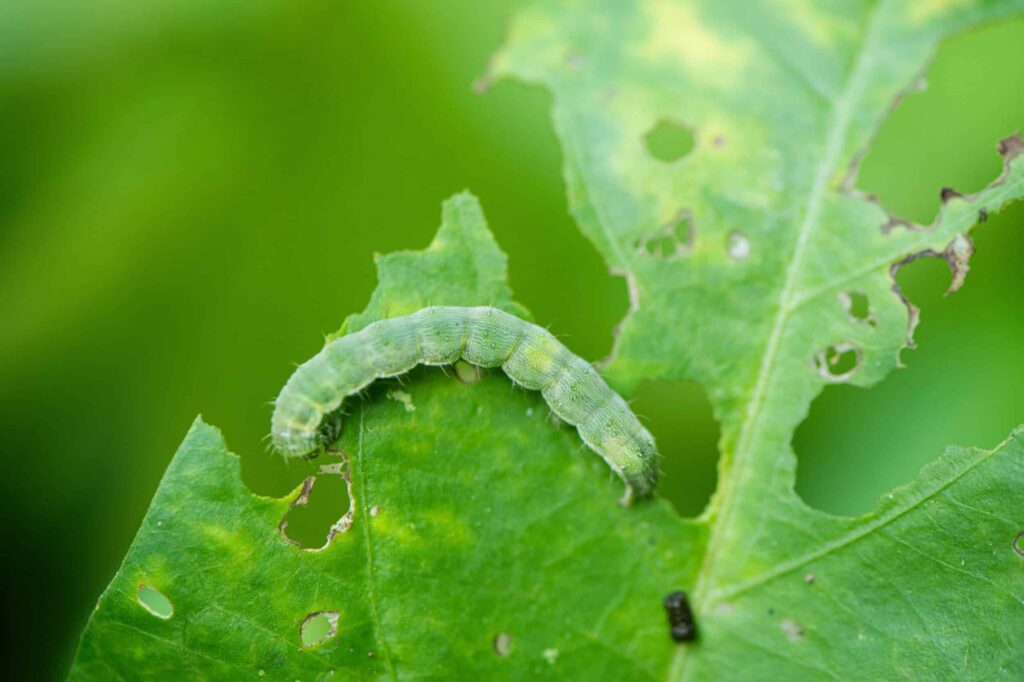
{"points": [[440, 335]]}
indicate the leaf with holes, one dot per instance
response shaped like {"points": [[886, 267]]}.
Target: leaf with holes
{"points": [[481, 537], [785, 285], [710, 152]]}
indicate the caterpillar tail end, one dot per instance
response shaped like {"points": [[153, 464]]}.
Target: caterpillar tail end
{"points": [[639, 487]]}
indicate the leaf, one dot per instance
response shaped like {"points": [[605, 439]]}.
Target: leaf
{"points": [[463, 266], [484, 542], [753, 303], [481, 536]]}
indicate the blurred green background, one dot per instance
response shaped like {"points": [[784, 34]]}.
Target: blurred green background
{"points": [[191, 196]]}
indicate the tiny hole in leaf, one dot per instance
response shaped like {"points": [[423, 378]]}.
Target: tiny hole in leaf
{"points": [[738, 245], [154, 601], [856, 304], [1018, 544], [669, 141], [673, 240], [318, 628], [838, 362], [502, 644]]}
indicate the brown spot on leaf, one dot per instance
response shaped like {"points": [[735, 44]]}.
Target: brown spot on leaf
{"points": [[893, 222], [1011, 147], [948, 193], [958, 255]]}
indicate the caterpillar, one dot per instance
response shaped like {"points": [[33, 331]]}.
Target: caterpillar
{"points": [[307, 411]]}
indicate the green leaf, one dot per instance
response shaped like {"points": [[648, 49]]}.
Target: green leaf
{"points": [[755, 302], [481, 536], [462, 266], [484, 542]]}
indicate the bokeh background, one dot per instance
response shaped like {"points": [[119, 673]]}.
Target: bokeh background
{"points": [[190, 197]]}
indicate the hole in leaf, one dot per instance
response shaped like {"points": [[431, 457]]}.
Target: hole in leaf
{"points": [[838, 362], [154, 601], [672, 241], [314, 519], [669, 141], [856, 304], [961, 383], [857, 444], [502, 644], [1018, 544], [679, 415], [974, 88], [738, 245], [318, 628]]}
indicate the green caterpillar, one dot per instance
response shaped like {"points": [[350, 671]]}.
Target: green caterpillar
{"points": [[532, 357]]}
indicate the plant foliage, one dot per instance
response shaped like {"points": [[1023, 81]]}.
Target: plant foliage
{"points": [[483, 541]]}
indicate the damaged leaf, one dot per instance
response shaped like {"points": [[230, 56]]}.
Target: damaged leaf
{"points": [[474, 521], [484, 543], [928, 583]]}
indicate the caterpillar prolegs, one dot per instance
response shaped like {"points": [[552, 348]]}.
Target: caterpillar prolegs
{"points": [[530, 355]]}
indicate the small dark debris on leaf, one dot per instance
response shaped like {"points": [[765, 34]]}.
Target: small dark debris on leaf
{"points": [[682, 627], [949, 193], [1011, 147]]}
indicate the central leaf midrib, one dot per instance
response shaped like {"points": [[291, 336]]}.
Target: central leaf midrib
{"points": [[735, 472]]}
